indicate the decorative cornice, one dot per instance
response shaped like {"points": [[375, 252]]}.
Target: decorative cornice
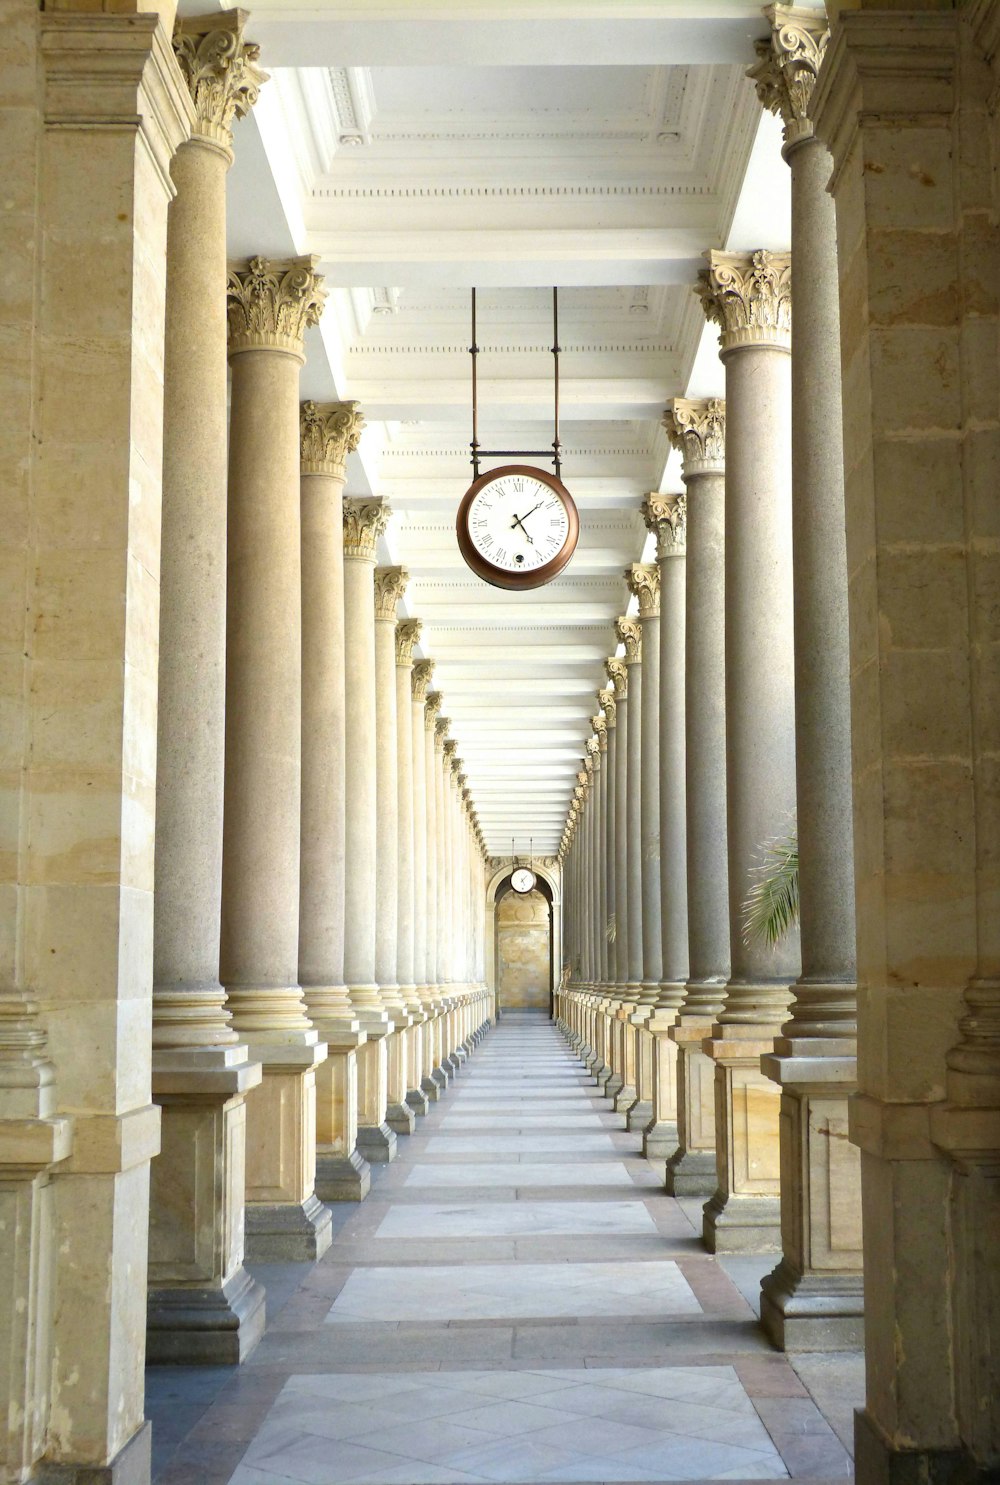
{"points": [[749, 296], [617, 673], [629, 633], [432, 705], [390, 585], [407, 634], [328, 432], [787, 66], [272, 302], [364, 523], [643, 579], [423, 672], [220, 70], [697, 427], [609, 706], [666, 517]]}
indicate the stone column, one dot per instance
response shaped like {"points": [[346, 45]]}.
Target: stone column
{"points": [[328, 432], [435, 1076], [84, 260], [813, 1299], [749, 296], [918, 262], [626, 1030], [202, 1304], [601, 1011], [407, 635], [364, 523], [599, 723], [270, 305], [692, 537], [390, 585]]}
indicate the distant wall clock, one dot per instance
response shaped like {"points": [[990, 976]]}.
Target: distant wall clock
{"points": [[517, 525], [523, 879]]}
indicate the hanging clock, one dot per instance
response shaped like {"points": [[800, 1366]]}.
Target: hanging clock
{"points": [[522, 880], [517, 526]]}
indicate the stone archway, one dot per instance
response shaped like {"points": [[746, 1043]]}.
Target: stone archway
{"points": [[524, 951], [497, 887]]}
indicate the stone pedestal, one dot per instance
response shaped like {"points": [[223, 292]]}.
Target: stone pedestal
{"points": [[691, 1166], [740, 1217]]}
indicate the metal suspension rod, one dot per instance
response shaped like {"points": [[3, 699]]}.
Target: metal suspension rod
{"points": [[556, 446], [474, 352]]}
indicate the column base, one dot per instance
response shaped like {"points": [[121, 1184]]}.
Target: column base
{"points": [[691, 1173], [877, 1462], [624, 1098], [342, 1177], [742, 1224], [288, 1232], [132, 1465], [432, 1090], [377, 1143], [205, 1327], [613, 1085], [401, 1118], [443, 1076], [659, 1142], [639, 1115], [813, 1312], [418, 1101]]}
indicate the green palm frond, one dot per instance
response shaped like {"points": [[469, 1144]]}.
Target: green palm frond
{"points": [[771, 906], [611, 930]]}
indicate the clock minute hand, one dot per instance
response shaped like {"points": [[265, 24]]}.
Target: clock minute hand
{"points": [[518, 522]]}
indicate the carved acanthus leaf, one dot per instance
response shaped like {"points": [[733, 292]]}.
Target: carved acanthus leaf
{"points": [[364, 523], [609, 706], [449, 745], [328, 432], [600, 726], [666, 517], [432, 707], [617, 673], [749, 296], [628, 632], [423, 672], [441, 728], [787, 67], [220, 70], [390, 585], [407, 635], [697, 427], [271, 304], [643, 579]]}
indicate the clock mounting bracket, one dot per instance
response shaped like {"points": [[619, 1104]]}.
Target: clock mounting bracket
{"points": [[555, 454]]}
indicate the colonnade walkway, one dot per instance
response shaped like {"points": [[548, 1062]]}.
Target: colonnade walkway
{"points": [[516, 1300]]}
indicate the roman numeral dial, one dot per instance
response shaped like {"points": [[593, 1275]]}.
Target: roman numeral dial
{"points": [[517, 526]]}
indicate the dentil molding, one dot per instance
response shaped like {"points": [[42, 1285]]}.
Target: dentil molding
{"points": [[328, 432], [749, 296]]}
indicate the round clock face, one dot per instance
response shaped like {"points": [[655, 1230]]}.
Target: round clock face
{"points": [[522, 880], [517, 526]]}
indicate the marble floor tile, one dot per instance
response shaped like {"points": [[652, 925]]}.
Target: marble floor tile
{"points": [[580, 1173], [575, 1143], [516, 1218], [484, 1292]]}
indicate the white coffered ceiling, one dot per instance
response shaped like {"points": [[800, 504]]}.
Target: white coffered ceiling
{"points": [[418, 150]]}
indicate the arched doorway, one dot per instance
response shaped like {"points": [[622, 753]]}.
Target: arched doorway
{"points": [[524, 951]]}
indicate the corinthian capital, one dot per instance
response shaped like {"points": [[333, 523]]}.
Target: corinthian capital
{"points": [[364, 523], [594, 753], [787, 65], [600, 726], [666, 517], [328, 432], [441, 729], [628, 632], [407, 634], [606, 700], [617, 673], [643, 579], [221, 71], [449, 744], [749, 296], [390, 585], [423, 671], [697, 427], [271, 303], [432, 706]]}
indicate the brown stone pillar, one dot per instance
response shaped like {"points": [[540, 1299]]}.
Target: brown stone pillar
{"points": [[410, 885], [202, 1304], [328, 432], [270, 305]]}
